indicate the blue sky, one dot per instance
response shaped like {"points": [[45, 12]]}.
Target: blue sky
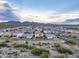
{"points": [[57, 5], [47, 10]]}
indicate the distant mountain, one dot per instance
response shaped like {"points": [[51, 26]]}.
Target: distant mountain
{"points": [[18, 22], [26, 22], [67, 22], [11, 22], [74, 21]]}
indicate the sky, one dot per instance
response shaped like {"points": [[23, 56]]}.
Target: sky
{"points": [[47, 11]]}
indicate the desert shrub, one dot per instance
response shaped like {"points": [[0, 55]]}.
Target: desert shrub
{"points": [[7, 41], [23, 50], [74, 37], [3, 45], [21, 45], [70, 42], [38, 51], [30, 46], [24, 46], [62, 49], [56, 45], [14, 44], [45, 55], [62, 56], [26, 42]]}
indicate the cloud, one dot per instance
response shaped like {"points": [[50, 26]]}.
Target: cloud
{"points": [[6, 12], [48, 16], [62, 17], [34, 15], [15, 8], [3, 1]]}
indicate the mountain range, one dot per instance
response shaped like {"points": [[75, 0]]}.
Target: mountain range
{"points": [[18, 22], [74, 21]]}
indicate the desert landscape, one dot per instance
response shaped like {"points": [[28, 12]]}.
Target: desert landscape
{"points": [[59, 43], [39, 28]]}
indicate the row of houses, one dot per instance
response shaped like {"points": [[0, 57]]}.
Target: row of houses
{"points": [[27, 32]]}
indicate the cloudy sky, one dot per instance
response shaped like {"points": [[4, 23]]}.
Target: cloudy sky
{"points": [[46, 11]]}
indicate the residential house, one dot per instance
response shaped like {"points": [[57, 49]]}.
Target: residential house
{"points": [[38, 34], [49, 35], [28, 35]]}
